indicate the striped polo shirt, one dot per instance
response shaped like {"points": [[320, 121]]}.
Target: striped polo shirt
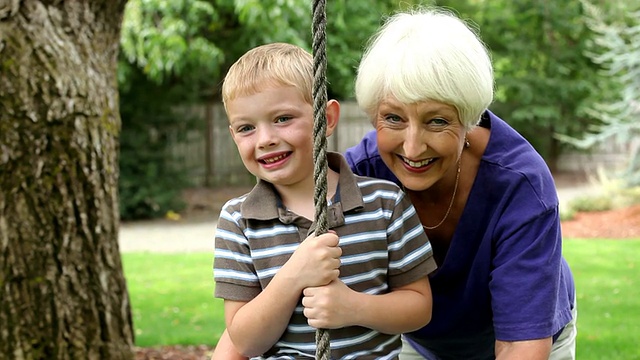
{"points": [[383, 247]]}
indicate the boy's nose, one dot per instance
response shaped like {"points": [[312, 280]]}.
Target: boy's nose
{"points": [[267, 137]]}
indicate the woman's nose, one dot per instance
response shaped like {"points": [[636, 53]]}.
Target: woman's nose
{"points": [[414, 144]]}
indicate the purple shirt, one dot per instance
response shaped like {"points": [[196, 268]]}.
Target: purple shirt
{"points": [[504, 276]]}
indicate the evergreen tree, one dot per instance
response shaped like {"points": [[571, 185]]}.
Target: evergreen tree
{"points": [[617, 48]]}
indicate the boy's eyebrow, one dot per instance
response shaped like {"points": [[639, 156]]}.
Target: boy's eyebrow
{"points": [[273, 112]]}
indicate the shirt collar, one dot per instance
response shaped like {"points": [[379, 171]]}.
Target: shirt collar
{"points": [[263, 202]]}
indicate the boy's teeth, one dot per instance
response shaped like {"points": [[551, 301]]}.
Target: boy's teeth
{"points": [[274, 159]]}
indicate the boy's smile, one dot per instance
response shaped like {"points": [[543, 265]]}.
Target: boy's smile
{"points": [[273, 130], [274, 159]]}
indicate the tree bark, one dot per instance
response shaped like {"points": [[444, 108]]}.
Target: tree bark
{"points": [[62, 290]]}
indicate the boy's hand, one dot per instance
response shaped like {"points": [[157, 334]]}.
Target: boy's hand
{"points": [[330, 306], [315, 262]]}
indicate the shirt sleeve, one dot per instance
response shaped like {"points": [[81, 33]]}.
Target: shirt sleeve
{"points": [[234, 273], [528, 290], [410, 253]]}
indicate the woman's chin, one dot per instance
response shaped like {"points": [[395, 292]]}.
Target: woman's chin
{"points": [[412, 185]]}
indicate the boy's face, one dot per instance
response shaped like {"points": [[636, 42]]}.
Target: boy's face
{"points": [[273, 130]]}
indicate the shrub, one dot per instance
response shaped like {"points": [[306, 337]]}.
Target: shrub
{"points": [[591, 203], [567, 214], [150, 183]]}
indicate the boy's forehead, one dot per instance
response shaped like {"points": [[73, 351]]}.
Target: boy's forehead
{"points": [[262, 87], [256, 85], [267, 100]]}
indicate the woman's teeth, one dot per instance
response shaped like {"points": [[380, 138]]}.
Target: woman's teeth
{"points": [[417, 164]]}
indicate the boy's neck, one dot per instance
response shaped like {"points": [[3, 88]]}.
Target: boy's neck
{"points": [[300, 199]]}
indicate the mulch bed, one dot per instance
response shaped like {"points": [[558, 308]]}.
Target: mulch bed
{"points": [[613, 224], [200, 352]]}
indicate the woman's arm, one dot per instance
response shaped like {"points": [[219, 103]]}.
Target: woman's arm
{"points": [[523, 350]]}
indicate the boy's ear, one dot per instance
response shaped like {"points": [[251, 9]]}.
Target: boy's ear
{"points": [[233, 135], [333, 115]]}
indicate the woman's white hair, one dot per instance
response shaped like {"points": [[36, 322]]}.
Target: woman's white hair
{"points": [[427, 54]]}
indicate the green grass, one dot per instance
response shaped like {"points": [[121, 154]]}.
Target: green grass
{"points": [[172, 299], [607, 275], [173, 303]]}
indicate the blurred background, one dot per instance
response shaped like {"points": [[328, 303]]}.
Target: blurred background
{"points": [[567, 78]]}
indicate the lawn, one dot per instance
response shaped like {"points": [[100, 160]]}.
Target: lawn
{"points": [[607, 274], [173, 303], [172, 299]]}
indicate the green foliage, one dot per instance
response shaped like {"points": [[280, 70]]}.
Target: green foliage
{"points": [[197, 40], [567, 213], [169, 37], [591, 203], [544, 80], [610, 192], [617, 48], [150, 183], [350, 24]]}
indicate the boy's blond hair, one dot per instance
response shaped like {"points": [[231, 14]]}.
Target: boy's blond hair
{"points": [[276, 64]]}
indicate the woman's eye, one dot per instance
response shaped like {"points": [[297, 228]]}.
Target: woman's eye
{"points": [[392, 118], [438, 121]]}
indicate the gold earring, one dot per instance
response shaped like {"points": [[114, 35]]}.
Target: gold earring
{"points": [[466, 143]]}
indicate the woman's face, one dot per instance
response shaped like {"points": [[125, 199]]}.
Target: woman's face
{"points": [[419, 142]]}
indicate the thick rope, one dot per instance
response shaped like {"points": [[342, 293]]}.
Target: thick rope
{"points": [[323, 350]]}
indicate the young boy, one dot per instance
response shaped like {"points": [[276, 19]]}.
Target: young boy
{"points": [[366, 279]]}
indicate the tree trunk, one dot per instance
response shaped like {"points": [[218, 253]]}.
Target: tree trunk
{"points": [[62, 290]]}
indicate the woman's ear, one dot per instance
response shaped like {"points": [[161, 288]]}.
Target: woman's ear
{"points": [[333, 115]]}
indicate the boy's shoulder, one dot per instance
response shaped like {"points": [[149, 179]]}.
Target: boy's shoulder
{"points": [[259, 203], [235, 203], [375, 183], [378, 192]]}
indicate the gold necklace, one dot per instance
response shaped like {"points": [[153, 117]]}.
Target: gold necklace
{"points": [[453, 197]]}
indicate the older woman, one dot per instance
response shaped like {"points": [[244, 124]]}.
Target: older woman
{"points": [[485, 197]]}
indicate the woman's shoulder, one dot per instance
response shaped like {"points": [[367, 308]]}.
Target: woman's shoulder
{"points": [[511, 162], [510, 150], [365, 149], [364, 159]]}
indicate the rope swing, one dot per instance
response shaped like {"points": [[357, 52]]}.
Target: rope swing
{"points": [[323, 351]]}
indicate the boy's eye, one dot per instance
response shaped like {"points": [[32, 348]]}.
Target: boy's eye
{"points": [[282, 119], [244, 128]]}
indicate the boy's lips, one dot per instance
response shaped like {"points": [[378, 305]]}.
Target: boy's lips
{"points": [[274, 158]]}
